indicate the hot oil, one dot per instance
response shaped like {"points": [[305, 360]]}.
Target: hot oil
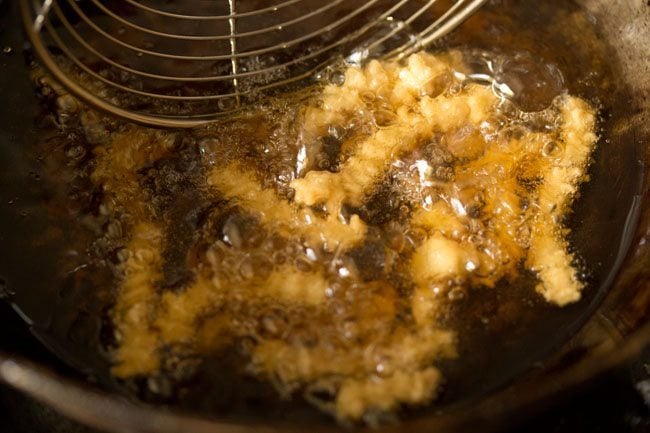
{"points": [[552, 47], [504, 330]]}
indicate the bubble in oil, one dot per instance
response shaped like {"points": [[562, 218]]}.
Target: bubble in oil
{"points": [[368, 98], [383, 118], [261, 265], [519, 71], [232, 233], [337, 78], [246, 270], [553, 149], [279, 257]]}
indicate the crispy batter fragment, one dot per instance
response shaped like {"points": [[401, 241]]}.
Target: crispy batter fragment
{"points": [[238, 184], [318, 296], [548, 254], [356, 397], [398, 128], [135, 309]]}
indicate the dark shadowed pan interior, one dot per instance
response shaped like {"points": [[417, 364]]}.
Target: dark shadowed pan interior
{"points": [[64, 297]]}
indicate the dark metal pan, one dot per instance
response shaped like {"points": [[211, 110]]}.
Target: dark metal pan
{"points": [[43, 250]]}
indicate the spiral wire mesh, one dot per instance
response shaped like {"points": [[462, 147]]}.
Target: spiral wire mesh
{"points": [[181, 64]]}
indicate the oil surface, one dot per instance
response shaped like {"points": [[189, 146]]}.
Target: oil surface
{"points": [[506, 311]]}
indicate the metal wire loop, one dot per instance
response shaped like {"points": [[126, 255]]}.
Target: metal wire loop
{"points": [[182, 64]]}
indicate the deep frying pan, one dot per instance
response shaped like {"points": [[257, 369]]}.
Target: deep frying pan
{"points": [[611, 226]]}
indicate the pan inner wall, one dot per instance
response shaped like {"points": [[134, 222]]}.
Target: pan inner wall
{"points": [[65, 298]]}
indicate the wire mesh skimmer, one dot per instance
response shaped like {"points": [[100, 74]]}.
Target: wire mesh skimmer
{"points": [[183, 63]]}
